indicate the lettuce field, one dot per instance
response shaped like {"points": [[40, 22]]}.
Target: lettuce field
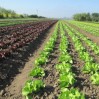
{"points": [[49, 59]]}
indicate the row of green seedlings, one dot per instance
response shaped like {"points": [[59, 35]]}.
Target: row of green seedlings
{"points": [[66, 76], [33, 86], [87, 27], [93, 45], [90, 66]]}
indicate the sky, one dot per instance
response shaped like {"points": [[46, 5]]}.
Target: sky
{"points": [[51, 8]]}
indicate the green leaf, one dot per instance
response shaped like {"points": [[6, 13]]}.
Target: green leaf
{"points": [[66, 58], [37, 72], [95, 78], [90, 67], [40, 61], [63, 67], [66, 79], [32, 86], [71, 94]]}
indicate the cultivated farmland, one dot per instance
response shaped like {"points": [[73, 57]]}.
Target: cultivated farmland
{"points": [[49, 60]]}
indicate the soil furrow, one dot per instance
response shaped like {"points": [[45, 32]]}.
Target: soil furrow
{"points": [[51, 90]]}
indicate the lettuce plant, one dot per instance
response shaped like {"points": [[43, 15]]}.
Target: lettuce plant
{"points": [[71, 94], [85, 56], [63, 67], [90, 67], [44, 54], [37, 72], [40, 61], [65, 57], [95, 78], [32, 86], [66, 79]]}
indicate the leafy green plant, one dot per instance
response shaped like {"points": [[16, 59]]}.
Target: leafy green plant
{"points": [[71, 94], [32, 86], [37, 72], [63, 67], [95, 78], [66, 79], [48, 49], [85, 56], [90, 67], [65, 57], [64, 44], [40, 61], [44, 54]]}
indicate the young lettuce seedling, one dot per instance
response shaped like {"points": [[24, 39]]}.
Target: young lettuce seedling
{"points": [[40, 61], [65, 57], [90, 67], [95, 78], [63, 67], [85, 56], [44, 54], [71, 94], [66, 79], [32, 86], [37, 72]]}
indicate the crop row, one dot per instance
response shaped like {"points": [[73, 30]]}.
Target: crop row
{"points": [[90, 43], [13, 41], [90, 65], [33, 86], [87, 27], [20, 34], [67, 78], [87, 23], [64, 67], [10, 22], [15, 28], [66, 75]]}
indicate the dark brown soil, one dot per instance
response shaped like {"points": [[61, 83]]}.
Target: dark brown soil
{"points": [[89, 35], [83, 80], [51, 90], [14, 70]]}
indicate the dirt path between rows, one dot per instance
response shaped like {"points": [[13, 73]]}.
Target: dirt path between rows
{"points": [[13, 91], [89, 35], [51, 90]]}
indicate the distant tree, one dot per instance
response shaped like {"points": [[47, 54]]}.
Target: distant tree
{"points": [[41, 17], [4, 13], [33, 16], [1, 15], [21, 16], [88, 17], [82, 17], [95, 17]]}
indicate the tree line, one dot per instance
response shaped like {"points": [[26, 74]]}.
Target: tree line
{"points": [[4, 13], [86, 17]]}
